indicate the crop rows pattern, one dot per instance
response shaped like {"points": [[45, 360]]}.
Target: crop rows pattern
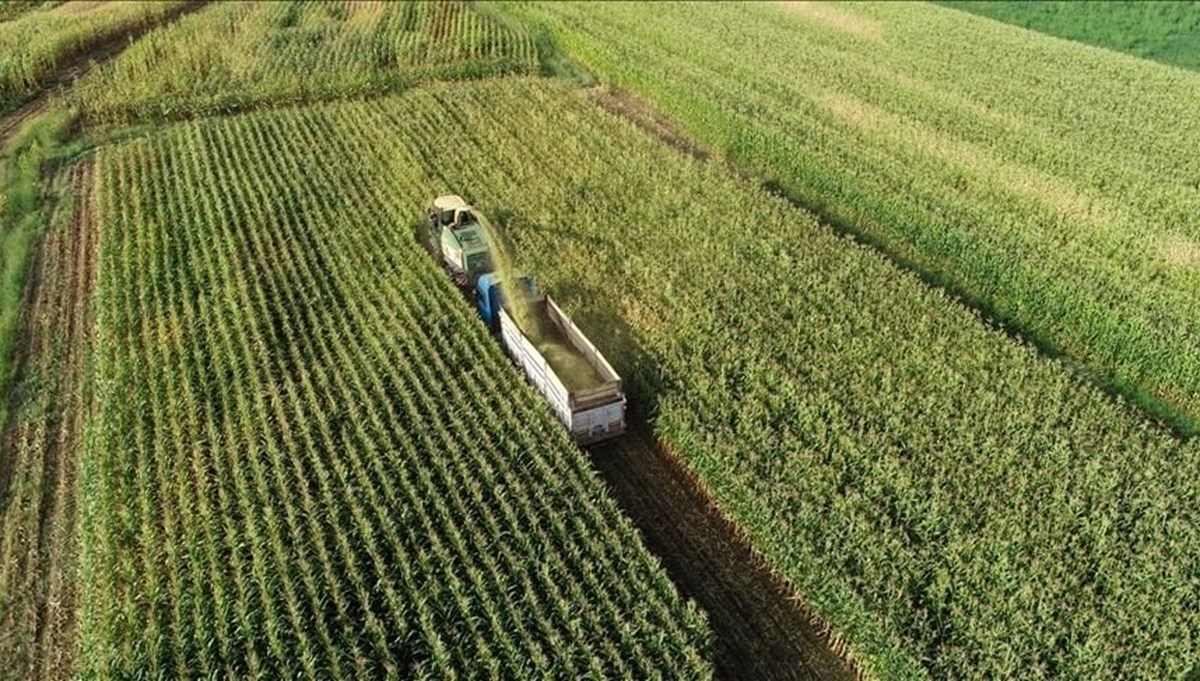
{"points": [[309, 458], [35, 38], [955, 504], [1058, 200], [234, 56]]}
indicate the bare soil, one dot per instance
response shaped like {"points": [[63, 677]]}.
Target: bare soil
{"points": [[42, 446], [761, 627], [56, 625]]}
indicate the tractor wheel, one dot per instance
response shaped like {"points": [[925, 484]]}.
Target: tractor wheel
{"points": [[425, 236]]}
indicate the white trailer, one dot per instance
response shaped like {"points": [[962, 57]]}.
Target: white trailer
{"points": [[592, 413]]}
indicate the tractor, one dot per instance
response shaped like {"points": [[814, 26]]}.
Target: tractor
{"points": [[457, 239]]}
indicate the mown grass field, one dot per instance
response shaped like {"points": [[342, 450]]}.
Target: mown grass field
{"points": [[1160, 30], [1056, 200], [257, 432]]}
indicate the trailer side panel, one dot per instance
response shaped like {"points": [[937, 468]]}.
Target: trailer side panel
{"points": [[590, 416]]}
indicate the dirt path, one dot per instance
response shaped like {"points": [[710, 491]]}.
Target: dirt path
{"points": [[762, 631], [42, 445], [55, 625], [75, 66], [12, 123]]}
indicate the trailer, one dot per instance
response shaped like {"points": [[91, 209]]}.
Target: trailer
{"points": [[582, 388]]}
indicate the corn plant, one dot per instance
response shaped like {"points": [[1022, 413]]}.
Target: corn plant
{"points": [[234, 56], [291, 471], [37, 37], [1042, 181]]}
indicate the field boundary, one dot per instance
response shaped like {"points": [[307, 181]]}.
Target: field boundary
{"points": [[46, 409], [384, 90]]}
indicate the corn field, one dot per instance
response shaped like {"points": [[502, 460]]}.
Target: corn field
{"points": [[237, 55], [33, 43], [15, 8], [1059, 201], [953, 503], [309, 458], [255, 431]]}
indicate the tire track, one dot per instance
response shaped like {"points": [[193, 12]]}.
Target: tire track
{"points": [[57, 522], [74, 66], [42, 444], [761, 629], [13, 122]]}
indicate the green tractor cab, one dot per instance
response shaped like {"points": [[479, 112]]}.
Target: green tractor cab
{"points": [[458, 238]]}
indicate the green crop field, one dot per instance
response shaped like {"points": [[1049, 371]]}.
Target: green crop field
{"points": [[1058, 201], [35, 38], [902, 299], [290, 473], [237, 55], [951, 501], [1166, 31]]}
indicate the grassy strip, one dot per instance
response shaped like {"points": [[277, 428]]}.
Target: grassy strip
{"points": [[22, 218]]}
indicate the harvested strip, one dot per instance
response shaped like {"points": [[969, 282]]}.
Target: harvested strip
{"points": [[40, 488]]}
